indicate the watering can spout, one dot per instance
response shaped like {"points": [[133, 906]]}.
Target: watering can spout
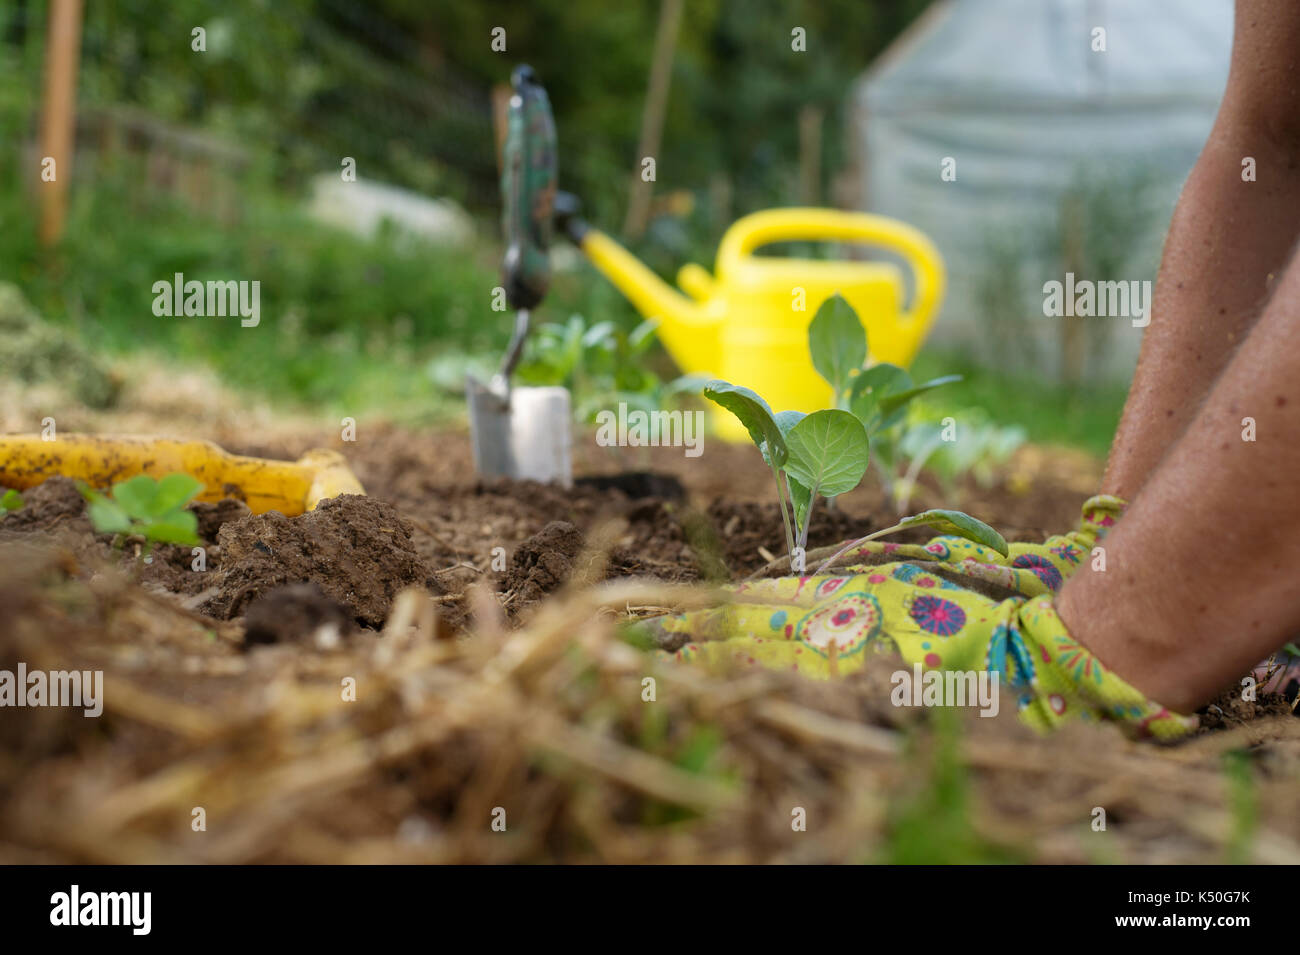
{"points": [[684, 326]]}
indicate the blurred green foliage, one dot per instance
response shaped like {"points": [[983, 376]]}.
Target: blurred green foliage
{"points": [[346, 322], [33, 350], [1050, 412], [404, 86], [932, 822]]}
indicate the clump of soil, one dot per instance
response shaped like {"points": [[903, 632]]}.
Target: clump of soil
{"points": [[664, 539], [357, 549], [212, 517], [543, 562], [636, 484], [297, 613], [1229, 710], [53, 502]]}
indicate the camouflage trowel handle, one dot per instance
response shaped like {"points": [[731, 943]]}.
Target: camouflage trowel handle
{"points": [[528, 189]]}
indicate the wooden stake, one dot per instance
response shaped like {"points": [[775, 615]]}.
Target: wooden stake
{"points": [[652, 118], [59, 113], [810, 154]]}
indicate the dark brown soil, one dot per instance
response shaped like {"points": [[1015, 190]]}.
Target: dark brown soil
{"points": [[1229, 710], [544, 561], [54, 511], [48, 505], [298, 613], [427, 520], [213, 516], [357, 549]]}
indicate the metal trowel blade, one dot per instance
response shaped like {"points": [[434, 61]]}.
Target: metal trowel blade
{"points": [[523, 433]]}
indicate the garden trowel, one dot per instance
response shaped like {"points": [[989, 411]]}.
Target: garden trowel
{"points": [[523, 433]]}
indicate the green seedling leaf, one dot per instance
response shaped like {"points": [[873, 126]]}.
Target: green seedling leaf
{"points": [[881, 379], [136, 495], [597, 334], [641, 336], [785, 420], [838, 343], [685, 384], [754, 414], [872, 385], [894, 401], [175, 491], [828, 452], [145, 508], [179, 527], [11, 501], [946, 522], [107, 516], [959, 524]]}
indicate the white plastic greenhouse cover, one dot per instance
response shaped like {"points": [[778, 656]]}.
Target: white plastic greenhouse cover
{"points": [[1014, 92]]}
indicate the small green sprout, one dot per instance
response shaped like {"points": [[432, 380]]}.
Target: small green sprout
{"points": [[826, 453], [11, 500], [149, 510]]}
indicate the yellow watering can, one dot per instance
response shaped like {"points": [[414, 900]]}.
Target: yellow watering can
{"points": [[748, 323]]}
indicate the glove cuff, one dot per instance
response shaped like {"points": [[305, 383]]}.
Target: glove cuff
{"points": [[1099, 515], [1069, 681]]}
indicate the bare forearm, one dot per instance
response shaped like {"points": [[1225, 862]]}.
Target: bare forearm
{"points": [[1200, 578], [1228, 239]]}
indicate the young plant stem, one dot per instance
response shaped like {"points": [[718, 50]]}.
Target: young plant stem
{"points": [[886, 473], [785, 514], [852, 544], [807, 520], [907, 483]]}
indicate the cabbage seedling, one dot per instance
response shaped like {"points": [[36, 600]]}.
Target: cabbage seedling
{"points": [[826, 453]]}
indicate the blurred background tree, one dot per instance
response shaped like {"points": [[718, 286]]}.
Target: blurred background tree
{"points": [[405, 85]]}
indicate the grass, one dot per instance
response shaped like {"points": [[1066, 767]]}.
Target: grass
{"points": [[346, 323], [1050, 413], [935, 825], [1243, 806]]}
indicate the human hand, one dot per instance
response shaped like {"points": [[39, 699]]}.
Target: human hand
{"points": [[826, 625]]}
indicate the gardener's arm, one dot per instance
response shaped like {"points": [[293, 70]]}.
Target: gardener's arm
{"points": [[1201, 574], [1227, 240]]}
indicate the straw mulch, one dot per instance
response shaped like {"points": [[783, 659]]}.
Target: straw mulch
{"points": [[546, 728]]}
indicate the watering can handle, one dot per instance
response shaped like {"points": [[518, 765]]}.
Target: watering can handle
{"points": [[784, 225]]}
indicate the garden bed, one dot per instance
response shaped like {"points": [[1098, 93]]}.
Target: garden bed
{"points": [[487, 676]]}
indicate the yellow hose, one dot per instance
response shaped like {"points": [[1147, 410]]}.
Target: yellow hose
{"points": [[290, 487]]}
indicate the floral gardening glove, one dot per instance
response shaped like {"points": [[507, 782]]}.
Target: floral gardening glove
{"points": [[1029, 569], [821, 626]]}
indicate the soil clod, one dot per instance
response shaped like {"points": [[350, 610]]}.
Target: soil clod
{"points": [[47, 505], [357, 549], [297, 613], [544, 561], [213, 516]]}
